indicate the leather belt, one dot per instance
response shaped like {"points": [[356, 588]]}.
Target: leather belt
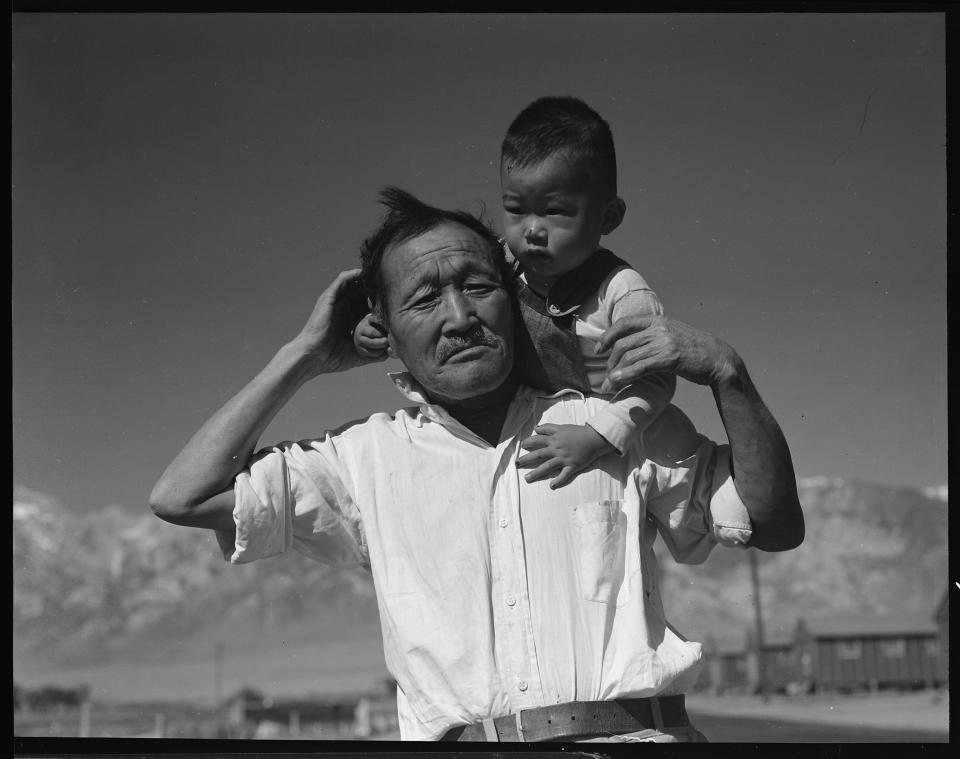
{"points": [[577, 718]]}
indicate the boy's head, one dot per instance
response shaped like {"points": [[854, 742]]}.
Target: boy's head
{"points": [[558, 175]]}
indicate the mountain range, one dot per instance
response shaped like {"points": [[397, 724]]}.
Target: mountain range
{"points": [[118, 585]]}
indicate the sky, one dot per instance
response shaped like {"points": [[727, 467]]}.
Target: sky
{"points": [[185, 185]]}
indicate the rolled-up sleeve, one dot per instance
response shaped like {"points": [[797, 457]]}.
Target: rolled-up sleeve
{"points": [[694, 501], [294, 495]]}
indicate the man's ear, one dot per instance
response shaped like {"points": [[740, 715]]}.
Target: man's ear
{"points": [[381, 323], [613, 214]]}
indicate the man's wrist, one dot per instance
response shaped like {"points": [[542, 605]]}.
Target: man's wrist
{"points": [[730, 371], [295, 360]]}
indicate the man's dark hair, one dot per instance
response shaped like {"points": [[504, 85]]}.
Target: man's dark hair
{"points": [[567, 125], [406, 218]]}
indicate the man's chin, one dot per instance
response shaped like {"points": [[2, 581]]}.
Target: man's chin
{"points": [[469, 378]]}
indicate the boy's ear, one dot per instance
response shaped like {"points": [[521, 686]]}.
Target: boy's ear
{"points": [[613, 214]]}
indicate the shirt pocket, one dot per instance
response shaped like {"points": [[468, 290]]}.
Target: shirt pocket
{"points": [[600, 536]]}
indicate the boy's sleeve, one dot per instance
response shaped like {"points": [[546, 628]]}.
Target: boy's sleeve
{"points": [[691, 495], [634, 407], [293, 495]]}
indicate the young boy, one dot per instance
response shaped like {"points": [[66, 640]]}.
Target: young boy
{"points": [[558, 177]]}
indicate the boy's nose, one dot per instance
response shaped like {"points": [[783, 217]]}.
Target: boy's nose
{"points": [[535, 231]]}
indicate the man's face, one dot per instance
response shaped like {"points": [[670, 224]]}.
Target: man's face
{"points": [[449, 317]]}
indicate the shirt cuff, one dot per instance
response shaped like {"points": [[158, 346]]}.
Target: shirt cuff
{"points": [[729, 515], [262, 522]]}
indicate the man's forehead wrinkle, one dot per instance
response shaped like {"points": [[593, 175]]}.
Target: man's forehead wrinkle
{"points": [[459, 254]]}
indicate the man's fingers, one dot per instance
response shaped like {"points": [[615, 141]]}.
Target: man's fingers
{"points": [[343, 299], [623, 346], [533, 442], [564, 478], [545, 429], [534, 458], [621, 327], [543, 471], [624, 375]]}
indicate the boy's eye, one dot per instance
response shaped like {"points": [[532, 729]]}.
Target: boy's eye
{"points": [[556, 212]]}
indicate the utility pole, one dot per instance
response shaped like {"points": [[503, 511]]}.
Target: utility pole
{"points": [[758, 623], [218, 685]]}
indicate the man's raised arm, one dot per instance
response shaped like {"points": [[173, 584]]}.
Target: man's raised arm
{"points": [[762, 467], [208, 463]]}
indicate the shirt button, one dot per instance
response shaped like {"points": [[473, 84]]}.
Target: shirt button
{"points": [[511, 601], [522, 685], [503, 522]]}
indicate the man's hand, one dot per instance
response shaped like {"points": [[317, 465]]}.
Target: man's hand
{"points": [[570, 448], [326, 338], [647, 344], [211, 459]]}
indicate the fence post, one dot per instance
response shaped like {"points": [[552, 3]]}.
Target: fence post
{"points": [[84, 731]]}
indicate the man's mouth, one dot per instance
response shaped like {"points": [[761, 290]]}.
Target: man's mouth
{"points": [[463, 353], [463, 349]]}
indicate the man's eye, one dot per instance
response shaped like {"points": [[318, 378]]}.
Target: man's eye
{"points": [[479, 289]]}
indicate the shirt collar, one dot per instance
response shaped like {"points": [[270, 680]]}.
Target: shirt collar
{"points": [[413, 391]]}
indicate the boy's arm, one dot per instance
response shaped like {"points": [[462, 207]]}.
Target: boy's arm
{"points": [[635, 406], [561, 449], [633, 409], [214, 456], [568, 449]]}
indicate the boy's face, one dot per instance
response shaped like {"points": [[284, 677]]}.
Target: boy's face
{"points": [[553, 216]]}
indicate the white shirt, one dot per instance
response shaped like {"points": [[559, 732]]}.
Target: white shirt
{"points": [[496, 594]]}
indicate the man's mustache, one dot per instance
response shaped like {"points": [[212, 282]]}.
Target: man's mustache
{"points": [[472, 339]]}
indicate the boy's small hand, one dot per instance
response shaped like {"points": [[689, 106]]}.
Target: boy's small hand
{"points": [[370, 340], [569, 448]]}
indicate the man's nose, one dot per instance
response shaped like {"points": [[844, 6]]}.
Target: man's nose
{"points": [[459, 314]]}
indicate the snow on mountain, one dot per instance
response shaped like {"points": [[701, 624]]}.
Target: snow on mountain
{"points": [[115, 581], [120, 582], [868, 548]]}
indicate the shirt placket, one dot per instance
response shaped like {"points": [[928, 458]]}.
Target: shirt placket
{"points": [[513, 623]]}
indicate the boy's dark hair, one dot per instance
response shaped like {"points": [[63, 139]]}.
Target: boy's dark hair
{"points": [[408, 217], [567, 125]]}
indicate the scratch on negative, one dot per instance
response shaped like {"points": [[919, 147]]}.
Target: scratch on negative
{"points": [[866, 107], [863, 121]]}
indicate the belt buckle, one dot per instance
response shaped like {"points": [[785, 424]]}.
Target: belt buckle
{"points": [[518, 716]]}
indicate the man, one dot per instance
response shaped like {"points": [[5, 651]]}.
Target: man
{"points": [[510, 611]]}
